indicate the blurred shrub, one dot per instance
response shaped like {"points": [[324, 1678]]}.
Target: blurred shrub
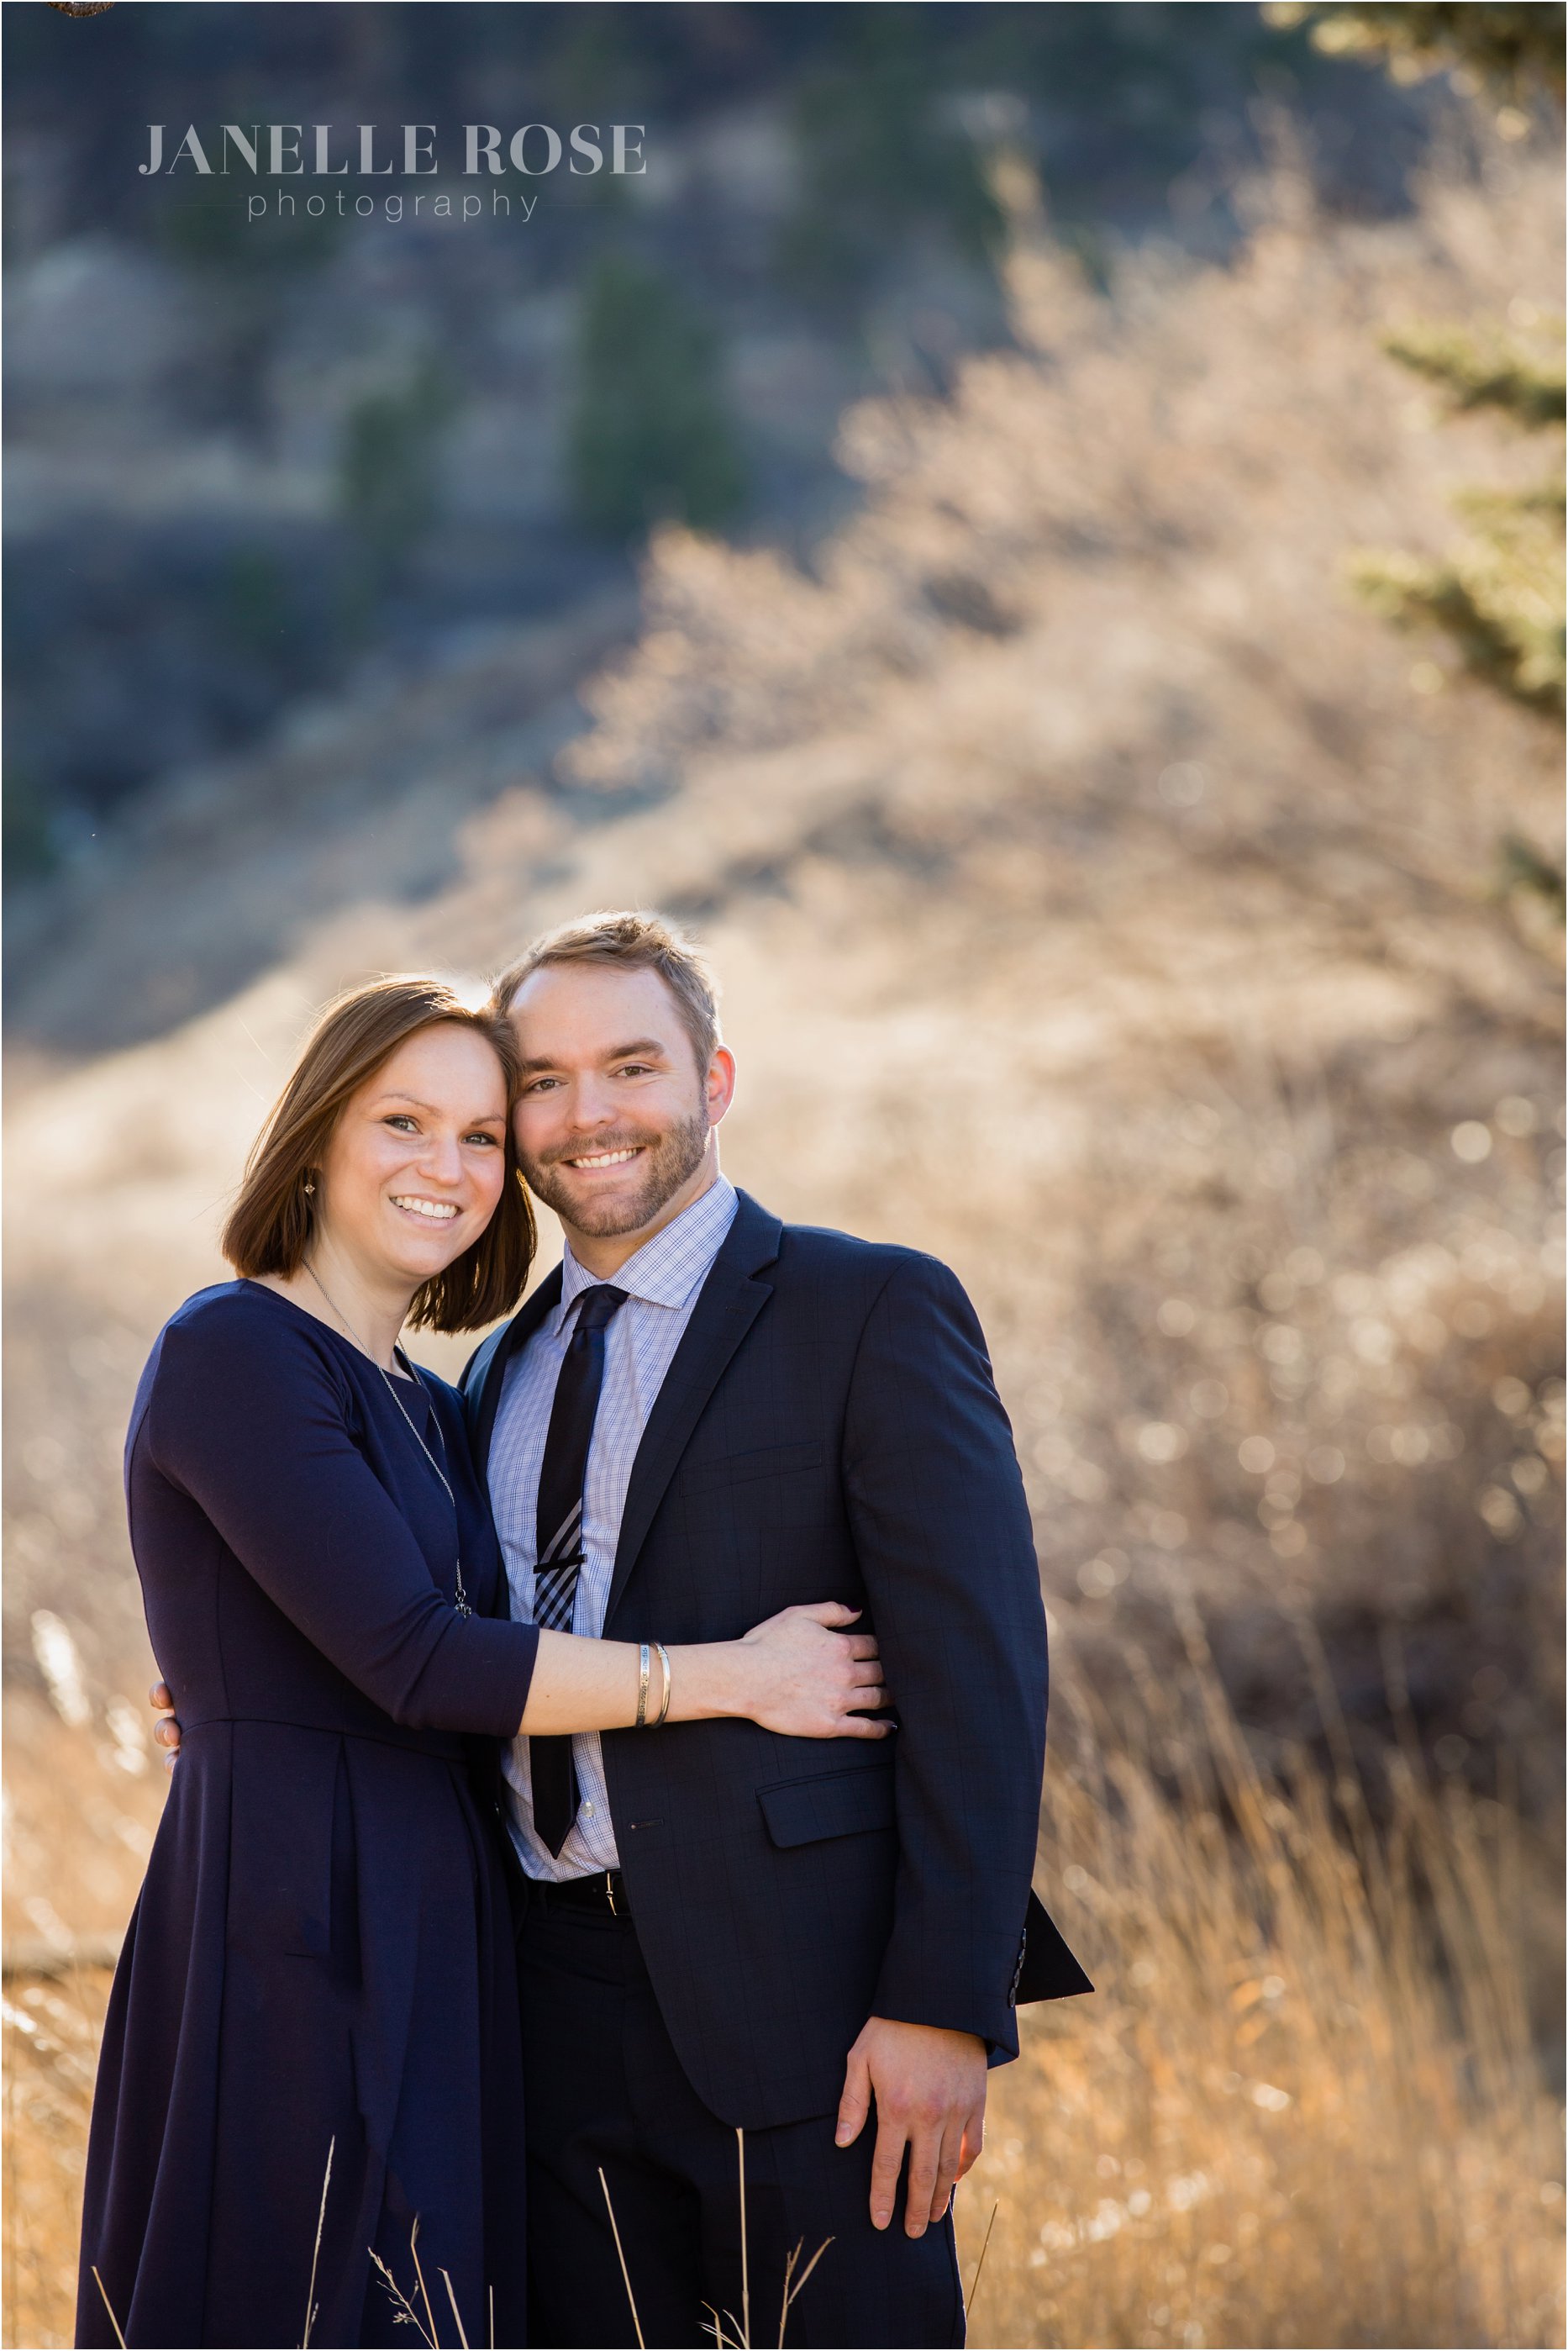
{"points": [[27, 843], [1515, 49], [245, 271], [203, 224], [258, 609], [389, 476], [880, 152], [649, 437]]}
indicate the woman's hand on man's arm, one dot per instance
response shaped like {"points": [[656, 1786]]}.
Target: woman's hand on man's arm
{"points": [[801, 1673]]}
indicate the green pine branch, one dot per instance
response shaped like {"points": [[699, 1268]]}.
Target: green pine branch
{"points": [[1499, 597], [1516, 51], [1503, 625], [1482, 369], [1524, 871]]}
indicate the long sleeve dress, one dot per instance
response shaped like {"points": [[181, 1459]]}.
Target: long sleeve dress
{"points": [[321, 1957]]}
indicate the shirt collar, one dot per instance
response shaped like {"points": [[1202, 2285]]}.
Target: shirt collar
{"points": [[666, 1269]]}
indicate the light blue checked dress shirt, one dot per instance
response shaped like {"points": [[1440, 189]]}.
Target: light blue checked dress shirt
{"points": [[661, 1283]]}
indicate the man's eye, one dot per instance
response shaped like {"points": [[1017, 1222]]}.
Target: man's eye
{"points": [[539, 1085], [636, 1068]]}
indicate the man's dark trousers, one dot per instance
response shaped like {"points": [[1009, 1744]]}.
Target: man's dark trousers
{"points": [[605, 2088]]}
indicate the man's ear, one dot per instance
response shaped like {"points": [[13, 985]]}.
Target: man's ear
{"points": [[721, 1084]]}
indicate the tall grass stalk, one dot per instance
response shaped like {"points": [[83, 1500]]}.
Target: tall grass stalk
{"points": [[109, 2306], [746, 2262], [794, 2278], [973, 2294], [310, 2303], [456, 2314], [407, 2316], [620, 2256]]}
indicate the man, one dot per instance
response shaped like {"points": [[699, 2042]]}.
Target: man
{"points": [[704, 1417]]}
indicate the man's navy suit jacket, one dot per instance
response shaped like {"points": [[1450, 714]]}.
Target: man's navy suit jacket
{"points": [[829, 1429]]}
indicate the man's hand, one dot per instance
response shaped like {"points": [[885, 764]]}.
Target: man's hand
{"points": [[929, 2088], [166, 1729]]}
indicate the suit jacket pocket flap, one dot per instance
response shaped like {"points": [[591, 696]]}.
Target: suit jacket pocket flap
{"points": [[765, 1461], [834, 1804]]}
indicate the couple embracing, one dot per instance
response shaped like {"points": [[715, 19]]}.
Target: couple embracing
{"points": [[595, 1787]]}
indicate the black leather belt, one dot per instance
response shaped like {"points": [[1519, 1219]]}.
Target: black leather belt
{"points": [[605, 1892]]}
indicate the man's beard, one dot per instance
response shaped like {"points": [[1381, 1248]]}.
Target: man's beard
{"points": [[665, 1163]]}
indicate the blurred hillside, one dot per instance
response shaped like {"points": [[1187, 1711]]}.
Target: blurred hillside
{"points": [[255, 461]]}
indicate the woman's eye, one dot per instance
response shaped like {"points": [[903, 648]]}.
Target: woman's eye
{"points": [[492, 1142], [402, 1121]]}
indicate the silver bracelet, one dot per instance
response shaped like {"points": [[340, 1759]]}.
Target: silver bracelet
{"points": [[664, 1702], [642, 1686]]}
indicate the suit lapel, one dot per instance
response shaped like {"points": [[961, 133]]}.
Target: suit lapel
{"points": [[492, 1372], [732, 1298]]}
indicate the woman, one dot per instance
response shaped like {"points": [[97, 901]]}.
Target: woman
{"points": [[313, 2041]]}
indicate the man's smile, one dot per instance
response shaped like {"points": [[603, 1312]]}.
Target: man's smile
{"points": [[606, 1158]]}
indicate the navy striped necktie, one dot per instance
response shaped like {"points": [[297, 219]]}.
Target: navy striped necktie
{"points": [[559, 1553]]}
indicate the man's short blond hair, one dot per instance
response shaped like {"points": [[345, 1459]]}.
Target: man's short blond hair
{"points": [[636, 942]]}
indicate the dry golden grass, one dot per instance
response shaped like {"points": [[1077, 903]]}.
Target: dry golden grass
{"points": [[1303, 2106], [51, 2032]]}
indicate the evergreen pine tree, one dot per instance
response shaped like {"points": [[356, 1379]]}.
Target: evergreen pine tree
{"points": [[1498, 596]]}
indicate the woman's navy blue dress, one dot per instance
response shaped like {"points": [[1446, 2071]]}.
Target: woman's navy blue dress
{"points": [[321, 1957]]}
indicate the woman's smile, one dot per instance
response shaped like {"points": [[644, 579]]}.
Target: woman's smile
{"points": [[416, 1204]]}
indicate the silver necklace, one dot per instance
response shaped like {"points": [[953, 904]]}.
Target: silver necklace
{"points": [[462, 1603]]}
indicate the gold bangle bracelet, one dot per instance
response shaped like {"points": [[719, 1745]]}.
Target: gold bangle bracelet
{"points": [[664, 1701], [642, 1686]]}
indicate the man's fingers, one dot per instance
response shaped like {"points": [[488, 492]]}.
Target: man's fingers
{"points": [[160, 1698], [949, 2166], [973, 2141], [885, 2166], [860, 1725], [919, 2191], [166, 1734], [856, 2103]]}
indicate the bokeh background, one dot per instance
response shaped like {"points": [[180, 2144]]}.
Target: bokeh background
{"points": [[1035, 530]]}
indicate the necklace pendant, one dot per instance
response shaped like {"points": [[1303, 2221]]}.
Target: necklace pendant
{"points": [[462, 1603]]}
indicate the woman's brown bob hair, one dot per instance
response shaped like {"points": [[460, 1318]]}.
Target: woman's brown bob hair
{"points": [[274, 1218]]}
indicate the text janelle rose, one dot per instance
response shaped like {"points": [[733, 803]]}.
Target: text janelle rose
{"points": [[280, 151]]}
